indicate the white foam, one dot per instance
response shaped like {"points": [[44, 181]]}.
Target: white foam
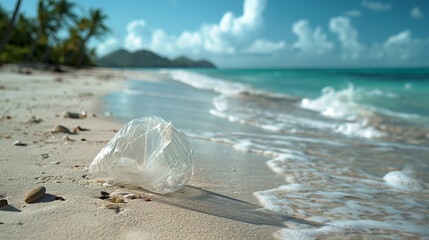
{"points": [[358, 129], [205, 82], [342, 105], [335, 104], [401, 181], [378, 92]]}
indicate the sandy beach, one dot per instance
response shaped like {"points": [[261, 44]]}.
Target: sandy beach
{"points": [[217, 203]]}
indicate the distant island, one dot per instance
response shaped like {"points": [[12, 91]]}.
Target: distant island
{"points": [[148, 59]]}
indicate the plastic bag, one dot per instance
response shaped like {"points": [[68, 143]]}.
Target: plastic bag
{"points": [[148, 152]]}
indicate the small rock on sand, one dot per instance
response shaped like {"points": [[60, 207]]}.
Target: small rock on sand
{"points": [[34, 119], [19, 143], [35, 194], [65, 139], [60, 128], [75, 115], [71, 115], [3, 202]]}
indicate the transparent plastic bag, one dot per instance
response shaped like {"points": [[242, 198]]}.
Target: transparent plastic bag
{"points": [[148, 152]]}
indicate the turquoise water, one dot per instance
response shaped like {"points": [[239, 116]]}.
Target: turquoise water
{"points": [[400, 91], [352, 145]]}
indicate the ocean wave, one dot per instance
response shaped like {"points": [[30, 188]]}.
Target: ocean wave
{"points": [[204, 82], [340, 111], [331, 196], [342, 104]]}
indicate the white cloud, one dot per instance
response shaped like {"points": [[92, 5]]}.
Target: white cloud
{"points": [[309, 41], [262, 46], [232, 34], [138, 37], [376, 6], [416, 13], [348, 36], [402, 46], [353, 13], [107, 46], [162, 42]]}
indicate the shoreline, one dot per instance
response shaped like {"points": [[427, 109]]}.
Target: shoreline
{"points": [[218, 202]]}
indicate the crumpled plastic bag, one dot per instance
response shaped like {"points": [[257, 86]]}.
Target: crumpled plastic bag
{"points": [[148, 152]]}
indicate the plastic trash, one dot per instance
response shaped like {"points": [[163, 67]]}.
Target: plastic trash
{"points": [[148, 152]]}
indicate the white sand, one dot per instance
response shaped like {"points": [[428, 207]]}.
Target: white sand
{"points": [[217, 203]]}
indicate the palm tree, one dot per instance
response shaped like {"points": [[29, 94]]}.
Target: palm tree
{"points": [[94, 27], [44, 17], [9, 29], [63, 13]]}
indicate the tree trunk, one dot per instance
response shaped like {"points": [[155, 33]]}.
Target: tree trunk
{"points": [[46, 53], [82, 56], [9, 29], [34, 44], [56, 40]]}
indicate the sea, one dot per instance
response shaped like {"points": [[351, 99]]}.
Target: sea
{"points": [[351, 144]]}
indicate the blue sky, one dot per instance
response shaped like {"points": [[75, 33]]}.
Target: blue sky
{"points": [[268, 33]]}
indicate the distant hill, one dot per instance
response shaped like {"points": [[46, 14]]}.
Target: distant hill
{"points": [[148, 59]]}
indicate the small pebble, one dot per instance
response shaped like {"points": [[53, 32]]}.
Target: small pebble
{"points": [[65, 139], [71, 115], [130, 196], [59, 198], [1, 222], [83, 139], [107, 184], [55, 163], [19, 143], [104, 193], [117, 200], [60, 128], [35, 194], [3, 202], [34, 119], [147, 199], [8, 136]]}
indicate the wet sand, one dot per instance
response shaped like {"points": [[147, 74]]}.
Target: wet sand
{"points": [[218, 202]]}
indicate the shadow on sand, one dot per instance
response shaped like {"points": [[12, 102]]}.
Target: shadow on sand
{"points": [[9, 208], [204, 201]]}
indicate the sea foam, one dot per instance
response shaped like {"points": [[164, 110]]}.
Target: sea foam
{"points": [[401, 181]]}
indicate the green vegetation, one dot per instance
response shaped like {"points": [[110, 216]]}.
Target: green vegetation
{"points": [[60, 35], [42, 39], [148, 59]]}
